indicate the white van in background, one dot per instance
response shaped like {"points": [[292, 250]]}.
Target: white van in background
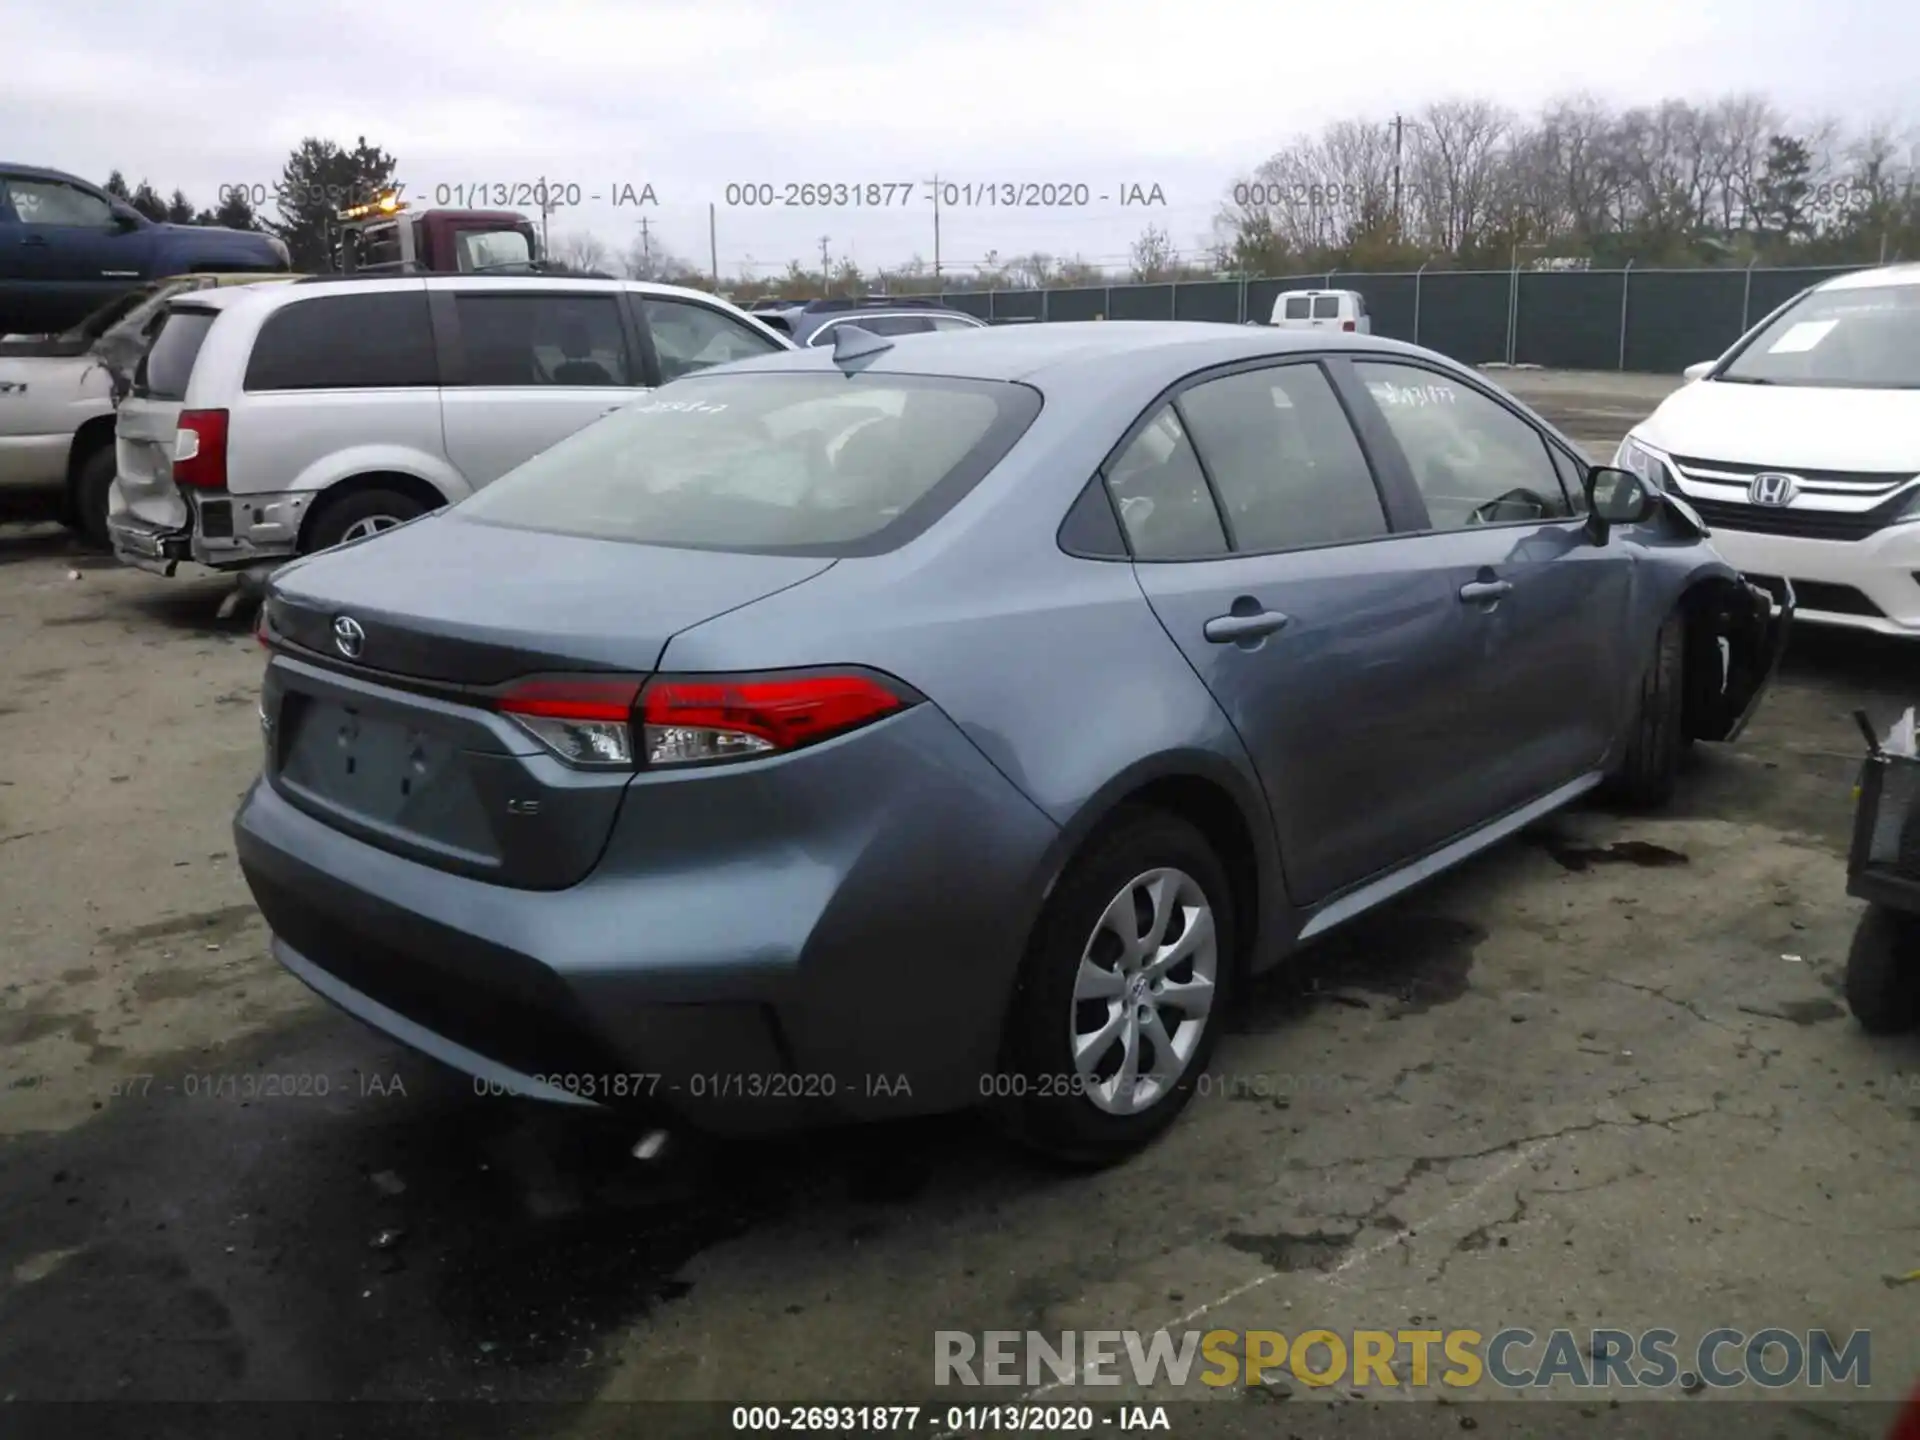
{"points": [[1322, 310]]}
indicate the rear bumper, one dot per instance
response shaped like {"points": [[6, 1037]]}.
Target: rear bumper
{"points": [[753, 952], [1866, 584], [147, 546], [222, 532]]}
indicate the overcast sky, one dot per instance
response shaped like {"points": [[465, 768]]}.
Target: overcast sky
{"points": [[692, 97]]}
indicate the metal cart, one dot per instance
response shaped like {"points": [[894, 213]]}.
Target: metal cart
{"points": [[1883, 868]]}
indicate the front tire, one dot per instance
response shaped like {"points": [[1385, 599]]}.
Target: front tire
{"points": [[358, 515], [1123, 992], [1650, 767], [1883, 973]]}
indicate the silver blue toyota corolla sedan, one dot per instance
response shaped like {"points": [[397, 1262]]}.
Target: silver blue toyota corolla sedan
{"points": [[959, 719]]}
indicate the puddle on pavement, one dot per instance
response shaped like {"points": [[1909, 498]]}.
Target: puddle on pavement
{"points": [[1416, 961], [1571, 855], [1287, 1253]]}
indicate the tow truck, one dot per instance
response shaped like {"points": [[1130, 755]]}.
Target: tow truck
{"points": [[382, 236]]}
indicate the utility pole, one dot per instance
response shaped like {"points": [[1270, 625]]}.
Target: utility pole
{"points": [[713, 245], [646, 248], [936, 232], [826, 267], [1399, 126]]}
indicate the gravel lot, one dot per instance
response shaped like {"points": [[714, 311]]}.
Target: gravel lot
{"points": [[1600, 1076]]}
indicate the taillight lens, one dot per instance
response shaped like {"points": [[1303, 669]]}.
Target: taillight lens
{"points": [[595, 721], [1346, 325], [585, 721], [200, 450], [688, 720]]}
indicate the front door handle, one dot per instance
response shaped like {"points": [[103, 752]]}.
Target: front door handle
{"points": [[33, 240], [1229, 629], [1479, 590]]}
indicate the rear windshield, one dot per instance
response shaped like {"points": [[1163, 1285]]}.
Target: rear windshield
{"points": [[780, 463], [1866, 338], [164, 370]]}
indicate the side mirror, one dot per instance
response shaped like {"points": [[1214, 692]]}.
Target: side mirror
{"points": [[1698, 371], [1617, 497], [126, 218]]}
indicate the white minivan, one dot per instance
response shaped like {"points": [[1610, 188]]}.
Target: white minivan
{"points": [[1322, 310], [271, 424]]}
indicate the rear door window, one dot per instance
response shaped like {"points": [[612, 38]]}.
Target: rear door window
{"points": [[378, 340], [164, 370], [1326, 307], [543, 339], [689, 337], [1299, 307], [954, 322], [1283, 457]]}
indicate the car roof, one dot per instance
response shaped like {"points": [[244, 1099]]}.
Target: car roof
{"points": [[225, 296], [1053, 351], [1908, 274], [41, 172]]}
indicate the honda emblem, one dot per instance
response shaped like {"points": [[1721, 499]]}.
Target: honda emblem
{"points": [[1772, 487]]}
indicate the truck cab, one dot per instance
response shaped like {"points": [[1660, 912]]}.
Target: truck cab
{"points": [[385, 237]]}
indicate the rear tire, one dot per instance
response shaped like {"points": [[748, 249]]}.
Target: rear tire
{"points": [[359, 514], [1883, 973], [1081, 979], [1646, 775], [87, 498]]}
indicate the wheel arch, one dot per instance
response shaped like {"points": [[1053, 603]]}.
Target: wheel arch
{"points": [[95, 434], [414, 487], [1223, 805]]}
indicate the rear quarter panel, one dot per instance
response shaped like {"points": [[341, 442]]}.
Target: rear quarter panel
{"points": [[1054, 667]]}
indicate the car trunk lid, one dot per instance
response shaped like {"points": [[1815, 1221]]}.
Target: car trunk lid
{"points": [[391, 656]]}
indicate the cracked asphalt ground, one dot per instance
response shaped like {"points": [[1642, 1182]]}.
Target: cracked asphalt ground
{"points": [[1600, 1076]]}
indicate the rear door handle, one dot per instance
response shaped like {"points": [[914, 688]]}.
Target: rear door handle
{"points": [[1478, 590], [33, 239], [1227, 629]]}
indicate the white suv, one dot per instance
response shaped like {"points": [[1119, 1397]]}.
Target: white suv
{"points": [[266, 425], [1800, 447]]}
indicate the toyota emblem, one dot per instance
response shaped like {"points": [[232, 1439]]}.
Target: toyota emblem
{"points": [[348, 638], [1772, 487]]}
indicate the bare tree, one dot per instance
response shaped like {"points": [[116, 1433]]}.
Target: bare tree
{"points": [[1152, 254], [580, 251]]}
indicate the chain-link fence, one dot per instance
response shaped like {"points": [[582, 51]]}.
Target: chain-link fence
{"points": [[1658, 321]]}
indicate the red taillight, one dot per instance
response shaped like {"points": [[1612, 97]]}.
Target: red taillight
{"points": [[689, 719], [200, 450], [570, 699], [1346, 325], [585, 720]]}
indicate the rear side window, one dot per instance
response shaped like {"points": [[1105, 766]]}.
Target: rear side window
{"points": [[1299, 308], [1162, 496], [1284, 459], [1326, 307], [550, 339], [380, 340], [807, 464], [954, 322], [164, 371]]}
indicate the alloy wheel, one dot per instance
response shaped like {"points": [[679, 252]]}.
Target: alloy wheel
{"points": [[1144, 991]]}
